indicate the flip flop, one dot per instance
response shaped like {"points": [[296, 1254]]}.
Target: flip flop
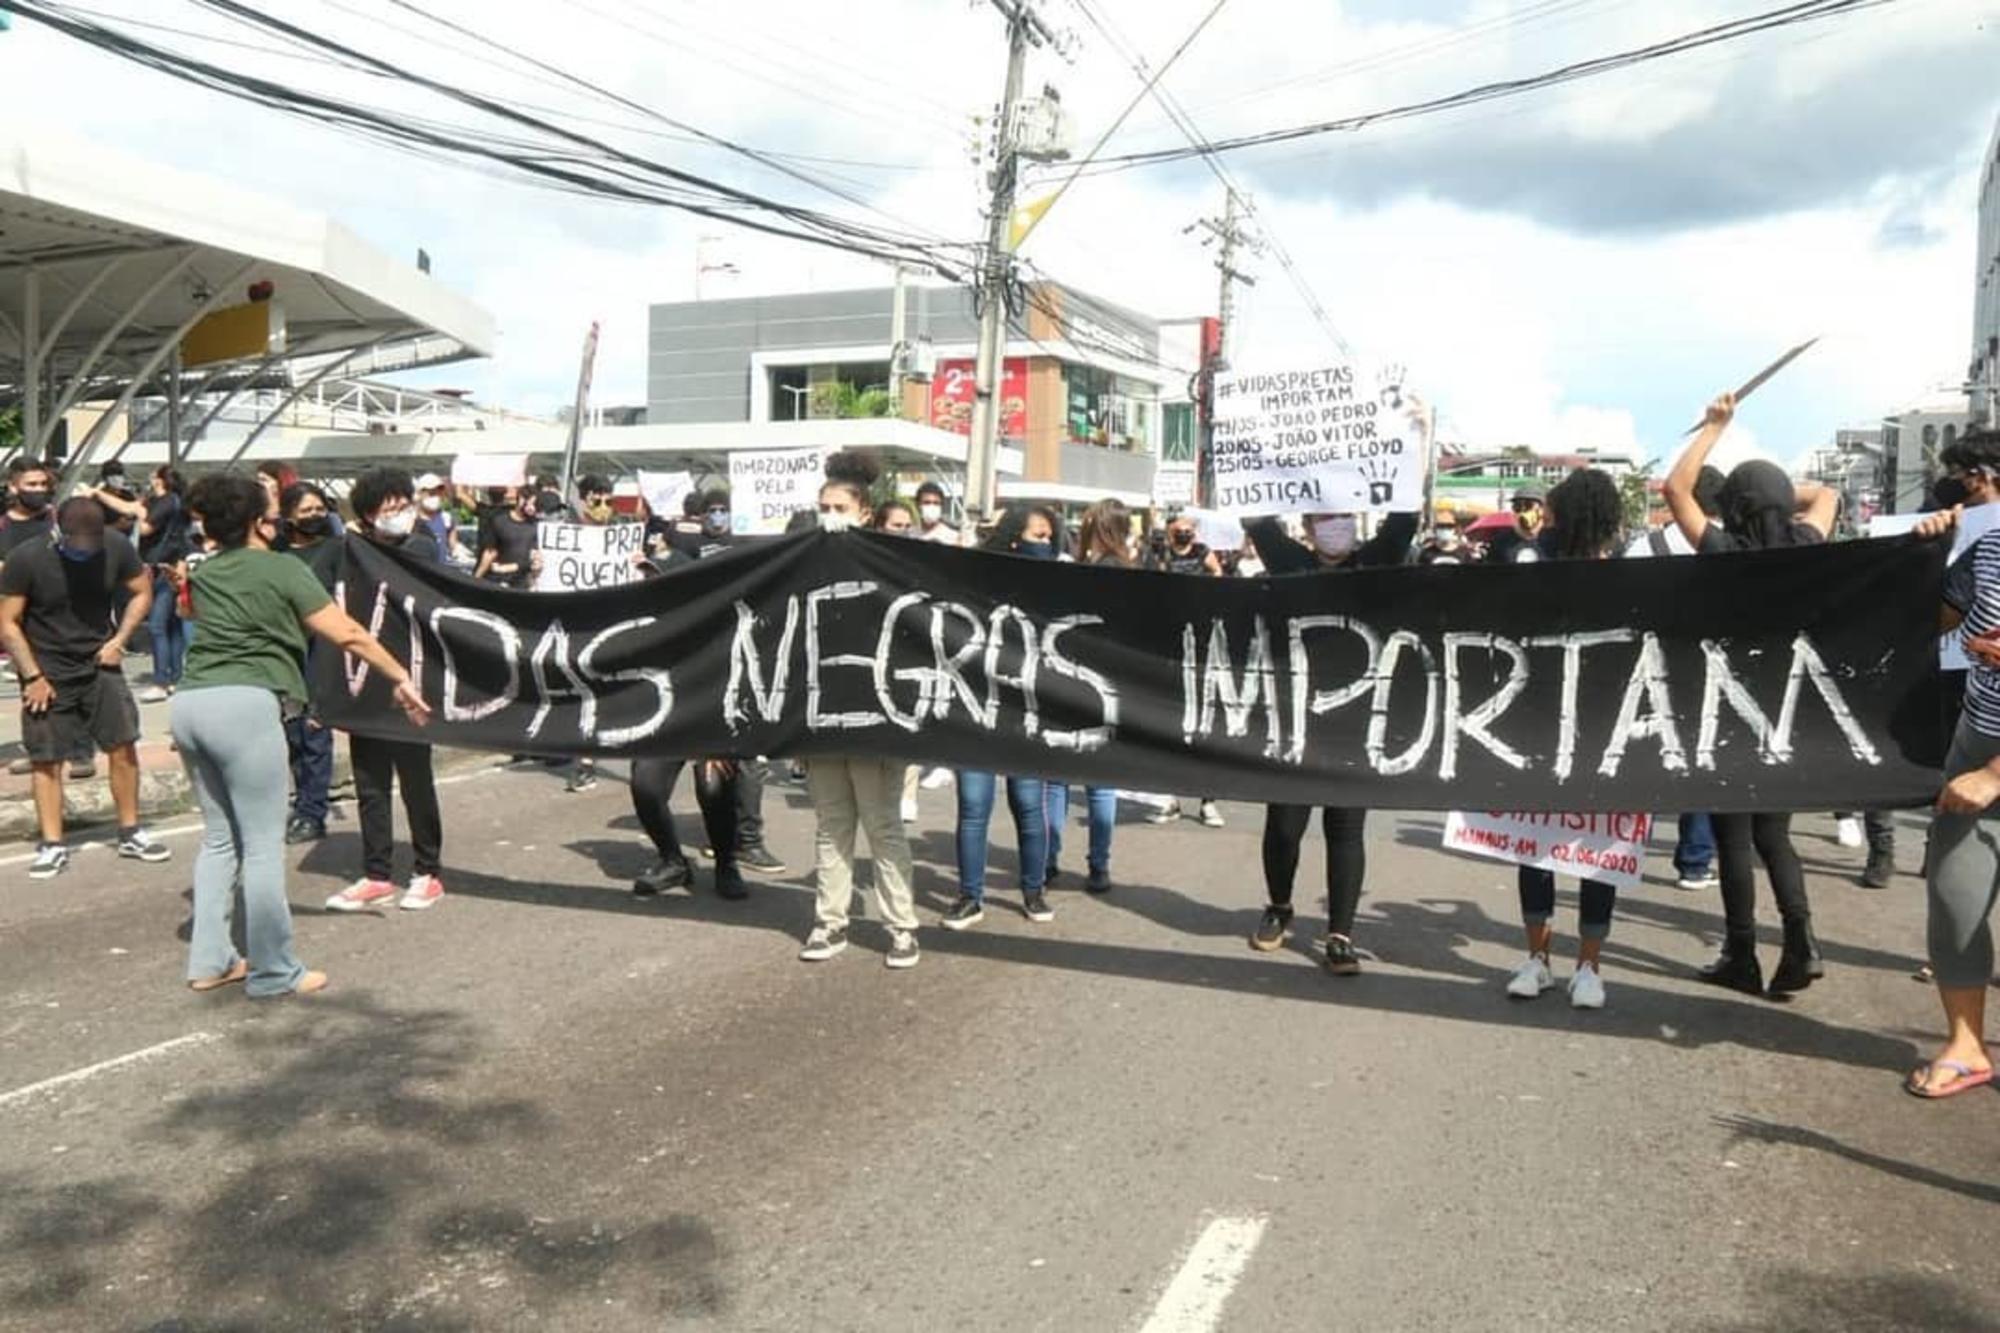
{"points": [[221, 979], [1917, 1084]]}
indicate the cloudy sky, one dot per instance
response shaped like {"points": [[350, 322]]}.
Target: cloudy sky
{"points": [[1580, 266]]}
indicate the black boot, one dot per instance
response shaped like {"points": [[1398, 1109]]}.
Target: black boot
{"points": [[1799, 966], [1881, 868], [1736, 967]]}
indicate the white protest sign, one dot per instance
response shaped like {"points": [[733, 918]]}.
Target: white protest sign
{"points": [[665, 491], [579, 556], [1218, 532], [479, 471], [1326, 439], [1607, 848], [1973, 524], [768, 486], [1173, 484]]}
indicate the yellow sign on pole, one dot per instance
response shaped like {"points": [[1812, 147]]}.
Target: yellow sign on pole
{"points": [[235, 333]]}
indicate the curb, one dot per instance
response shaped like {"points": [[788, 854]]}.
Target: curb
{"points": [[165, 792]]}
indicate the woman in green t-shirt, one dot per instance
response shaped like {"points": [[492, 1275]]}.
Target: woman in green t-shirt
{"points": [[256, 608]]}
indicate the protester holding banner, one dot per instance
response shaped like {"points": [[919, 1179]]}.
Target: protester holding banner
{"points": [[256, 608], [930, 516], [1336, 546], [385, 507], [1106, 530], [1518, 543], [1586, 519], [1036, 534], [308, 537], [1759, 509], [1183, 554], [895, 518], [854, 793], [507, 532]]}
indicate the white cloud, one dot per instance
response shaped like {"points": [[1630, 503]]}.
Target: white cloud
{"points": [[1521, 330]]}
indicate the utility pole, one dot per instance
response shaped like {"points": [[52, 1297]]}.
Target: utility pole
{"points": [[1226, 234], [578, 410], [1024, 27], [898, 328]]}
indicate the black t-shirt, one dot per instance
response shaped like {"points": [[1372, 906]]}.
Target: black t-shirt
{"points": [[72, 604], [169, 522], [322, 558], [512, 540], [1194, 560], [21, 531], [1715, 539]]}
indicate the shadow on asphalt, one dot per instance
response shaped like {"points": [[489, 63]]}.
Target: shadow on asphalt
{"points": [[1785, 1300], [340, 1188], [1764, 1131]]}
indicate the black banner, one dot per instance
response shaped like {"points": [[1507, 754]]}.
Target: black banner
{"points": [[1783, 680]]}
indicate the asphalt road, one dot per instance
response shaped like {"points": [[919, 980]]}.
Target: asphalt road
{"points": [[548, 1104]]}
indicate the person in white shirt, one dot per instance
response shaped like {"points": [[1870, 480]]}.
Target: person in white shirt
{"points": [[930, 515]]}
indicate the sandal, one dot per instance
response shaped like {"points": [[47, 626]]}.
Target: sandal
{"points": [[1918, 1084], [221, 979]]}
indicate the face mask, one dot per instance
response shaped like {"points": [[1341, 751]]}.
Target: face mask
{"points": [[930, 513], [397, 525], [32, 501], [313, 525], [1181, 540], [432, 503], [195, 530], [1334, 536], [75, 556], [829, 521], [497, 497], [716, 521], [1447, 537], [1037, 550], [599, 512]]}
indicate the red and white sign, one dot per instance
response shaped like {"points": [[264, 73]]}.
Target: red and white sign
{"points": [[1607, 847], [952, 394]]}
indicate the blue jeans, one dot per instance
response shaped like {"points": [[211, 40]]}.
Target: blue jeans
{"points": [[1694, 853], [311, 750], [167, 631], [976, 794], [1103, 803]]}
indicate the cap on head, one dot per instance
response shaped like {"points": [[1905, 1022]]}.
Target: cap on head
{"points": [[430, 481]]}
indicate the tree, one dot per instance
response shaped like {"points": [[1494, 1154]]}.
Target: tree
{"points": [[10, 428], [842, 399], [1635, 490]]}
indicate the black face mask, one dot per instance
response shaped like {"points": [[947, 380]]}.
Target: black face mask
{"points": [[313, 525], [1950, 491], [32, 501]]}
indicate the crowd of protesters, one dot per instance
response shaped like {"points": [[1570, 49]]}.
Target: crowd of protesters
{"points": [[233, 580]]}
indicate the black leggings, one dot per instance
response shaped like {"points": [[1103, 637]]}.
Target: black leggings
{"points": [[1740, 842], [1538, 902], [1346, 858], [653, 783], [380, 765]]}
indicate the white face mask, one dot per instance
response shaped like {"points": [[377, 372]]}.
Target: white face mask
{"points": [[930, 513], [398, 525], [433, 503], [830, 521], [1334, 535]]}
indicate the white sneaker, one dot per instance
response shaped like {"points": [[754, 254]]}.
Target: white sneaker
{"points": [[155, 694], [1164, 814], [1586, 988], [1849, 832], [422, 893], [1531, 978], [1211, 815], [909, 810], [936, 778], [1706, 879]]}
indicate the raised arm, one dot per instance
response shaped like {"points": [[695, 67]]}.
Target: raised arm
{"points": [[1680, 483], [345, 633]]}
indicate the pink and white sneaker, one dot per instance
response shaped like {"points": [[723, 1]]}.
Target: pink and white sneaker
{"points": [[424, 891], [361, 895]]}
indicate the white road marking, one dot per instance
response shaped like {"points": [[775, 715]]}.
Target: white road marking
{"points": [[1192, 1302], [106, 1066], [109, 839]]}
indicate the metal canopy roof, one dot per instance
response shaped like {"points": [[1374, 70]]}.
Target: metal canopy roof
{"points": [[106, 262]]}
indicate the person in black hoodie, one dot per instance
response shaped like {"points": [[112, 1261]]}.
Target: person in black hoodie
{"points": [[385, 508], [1335, 545], [1759, 508]]}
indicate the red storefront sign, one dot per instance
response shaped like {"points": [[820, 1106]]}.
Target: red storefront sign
{"points": [[951, 397]]}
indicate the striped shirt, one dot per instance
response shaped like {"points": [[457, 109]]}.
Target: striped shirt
{"points": [[1972, 588]]}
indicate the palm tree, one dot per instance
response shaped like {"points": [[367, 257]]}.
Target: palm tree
{"points": [[839, 398]]}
